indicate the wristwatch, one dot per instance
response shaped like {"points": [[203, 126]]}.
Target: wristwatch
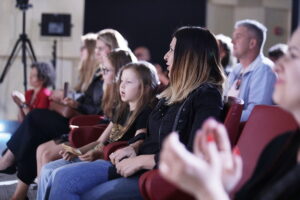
{"points": [[23, 105]]}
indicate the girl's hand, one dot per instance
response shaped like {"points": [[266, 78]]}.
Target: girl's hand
{"points": [[126, 152], [91, 155], [67, 155]]}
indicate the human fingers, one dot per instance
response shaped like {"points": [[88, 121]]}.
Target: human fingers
{"points": [[222, 139], [232, 176], [85, 157], [212, 152], [112, 158], [69, 157], [173, 152], [200, 143], [120, 156], [237, 164]]}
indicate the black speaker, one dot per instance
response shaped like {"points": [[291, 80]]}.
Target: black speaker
{"points": [[56, 25]]}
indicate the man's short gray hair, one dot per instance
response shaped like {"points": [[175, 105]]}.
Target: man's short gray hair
{"points": [[259, 30]]}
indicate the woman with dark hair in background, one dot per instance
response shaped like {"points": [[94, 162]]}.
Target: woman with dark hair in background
{"points": [[194, 94], [41, 77]]}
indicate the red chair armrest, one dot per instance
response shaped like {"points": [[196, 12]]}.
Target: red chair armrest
{"points": [[153, 186], [112, 147], [86, 120]]}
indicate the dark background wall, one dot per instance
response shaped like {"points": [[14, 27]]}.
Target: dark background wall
{"points": [[295, 15], [144, 22]]}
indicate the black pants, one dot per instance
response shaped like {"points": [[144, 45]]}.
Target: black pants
{"points": [[38, 127]]}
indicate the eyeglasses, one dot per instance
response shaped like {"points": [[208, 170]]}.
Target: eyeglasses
{"points": [[104, 70]]}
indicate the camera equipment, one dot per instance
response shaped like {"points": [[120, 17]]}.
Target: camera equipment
{"points": [[23, 4], [23, 43], [56, 24]]}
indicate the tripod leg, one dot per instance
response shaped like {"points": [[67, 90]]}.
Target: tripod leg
{"points": [[8, 63], [31, 49], [24, 60]]}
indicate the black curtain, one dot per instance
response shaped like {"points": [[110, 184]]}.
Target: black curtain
{"points": [[147, 23], [295, 15]]}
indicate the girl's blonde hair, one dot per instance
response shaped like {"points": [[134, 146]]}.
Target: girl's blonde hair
{"points": [[118, 58], [89, 65], [196, 61], [149, 81]]}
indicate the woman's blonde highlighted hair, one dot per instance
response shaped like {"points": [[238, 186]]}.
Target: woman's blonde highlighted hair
{"points": [[89, 65], [196, 61]]}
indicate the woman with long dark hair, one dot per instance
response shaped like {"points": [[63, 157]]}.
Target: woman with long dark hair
{"points": [[277, 172]]}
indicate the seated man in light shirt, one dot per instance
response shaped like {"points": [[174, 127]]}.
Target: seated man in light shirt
{"points": [[253, 78]]}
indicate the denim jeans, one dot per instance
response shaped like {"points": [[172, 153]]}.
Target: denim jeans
{"points": [[89, 180], [47, 174]]}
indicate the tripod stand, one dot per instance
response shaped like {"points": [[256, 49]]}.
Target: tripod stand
{"points": [[26, 45]]}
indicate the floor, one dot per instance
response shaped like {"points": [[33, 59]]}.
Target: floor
{"points": [[8, 182]]}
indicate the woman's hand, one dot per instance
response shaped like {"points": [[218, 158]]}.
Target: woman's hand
{"points": [[92, 155], [57, 95], [70, 102], [126, 152], [18, 97], [129, 166], [231, 161], [206, 173]]}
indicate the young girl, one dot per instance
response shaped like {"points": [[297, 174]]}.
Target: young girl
{"points": [[113, 62], [137, 86], [194, 94]]}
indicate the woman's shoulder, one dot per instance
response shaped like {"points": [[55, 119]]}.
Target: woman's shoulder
{"points": [[207, 90], [146, 111]]}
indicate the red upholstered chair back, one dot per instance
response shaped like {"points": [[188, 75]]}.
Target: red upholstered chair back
{"points": [[264, 123], [81, 136], [231, 116]]}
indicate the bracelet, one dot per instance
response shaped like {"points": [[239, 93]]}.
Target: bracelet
{"points": [[99, 147], [23, 105]]}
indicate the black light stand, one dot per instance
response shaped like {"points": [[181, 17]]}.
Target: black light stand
{"points": [[26, 45]]}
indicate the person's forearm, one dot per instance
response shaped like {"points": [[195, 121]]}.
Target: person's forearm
{"points": [[211, 193], [88, 147], [147, 161], [136, 145]]}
